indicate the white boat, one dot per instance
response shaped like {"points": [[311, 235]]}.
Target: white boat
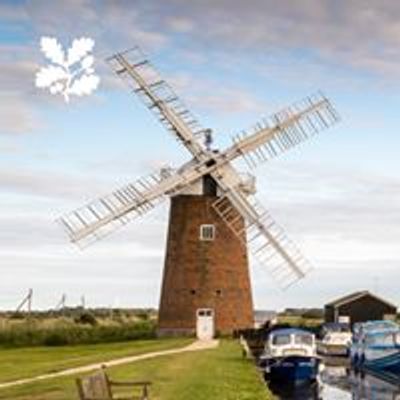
{"points": [[376, 345], [336, 340], [290, 355]]}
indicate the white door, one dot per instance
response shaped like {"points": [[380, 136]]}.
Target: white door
{"points": [[205, 323]]}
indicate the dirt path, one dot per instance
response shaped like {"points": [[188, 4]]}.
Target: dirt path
{"points": [[196, 346]]}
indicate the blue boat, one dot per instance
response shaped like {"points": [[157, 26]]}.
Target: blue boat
{"points": [[376, 346], [290, 355]]}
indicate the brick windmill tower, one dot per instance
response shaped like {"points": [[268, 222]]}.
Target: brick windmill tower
{"points": [[214, 217]]}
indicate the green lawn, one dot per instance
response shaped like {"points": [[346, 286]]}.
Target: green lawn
{"points": [[218, 374], [27, 362]]}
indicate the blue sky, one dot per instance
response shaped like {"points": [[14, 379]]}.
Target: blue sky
{"points": [[337, 195]]}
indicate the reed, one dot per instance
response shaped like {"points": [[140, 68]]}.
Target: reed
{"points": [[63, 331]]}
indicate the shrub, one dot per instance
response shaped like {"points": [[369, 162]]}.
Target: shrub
{"points": [[143, 315], [314, 313], [86, 318]]}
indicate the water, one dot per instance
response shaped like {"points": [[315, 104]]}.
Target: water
{"points": [[337, 381]]}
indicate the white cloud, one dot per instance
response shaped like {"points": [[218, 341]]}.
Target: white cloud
{"points": [[325, 32], [47, 184], [16, 74], [227, 101], [17, 115], [180, 24], [12, 12], [208, 95], [35, 253], [337, 216]]}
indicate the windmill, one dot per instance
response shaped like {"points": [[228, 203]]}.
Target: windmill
{"points": [[214, 216]]}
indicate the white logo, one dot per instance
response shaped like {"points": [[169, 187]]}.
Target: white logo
{"points": [[68, 74]]}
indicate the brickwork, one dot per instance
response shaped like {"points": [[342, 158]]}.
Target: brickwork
{"points": [[203, 274]]}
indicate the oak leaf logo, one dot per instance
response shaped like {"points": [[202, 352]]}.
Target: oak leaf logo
{"points": [[69, 73]]}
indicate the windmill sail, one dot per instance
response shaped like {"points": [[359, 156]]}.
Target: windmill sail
{"points": [[265, 239], [159, 97], [284, 130], [102, 216]]}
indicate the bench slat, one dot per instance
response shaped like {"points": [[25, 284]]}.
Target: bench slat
{"points": [[98, 387]]}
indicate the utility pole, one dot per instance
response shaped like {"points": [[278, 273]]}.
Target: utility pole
{"points": [[61, 304], [27, 300]]}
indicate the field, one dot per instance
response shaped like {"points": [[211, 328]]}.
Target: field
{"points": [[205, 375]]}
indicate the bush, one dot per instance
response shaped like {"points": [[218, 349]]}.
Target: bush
{"points": [[314, 313], [143, 315], [86, 318], [17, 315], [55, 339]]}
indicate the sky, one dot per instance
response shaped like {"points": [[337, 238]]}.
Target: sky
{"points": [[232, 63]]}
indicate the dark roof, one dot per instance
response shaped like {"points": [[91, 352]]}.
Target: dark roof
{"points": [[355, 296]]}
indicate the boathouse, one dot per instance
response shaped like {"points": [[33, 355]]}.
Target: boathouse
{"points": [[359, 307]]}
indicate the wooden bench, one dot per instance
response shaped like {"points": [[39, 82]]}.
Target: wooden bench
{"points": [[98, 386]]}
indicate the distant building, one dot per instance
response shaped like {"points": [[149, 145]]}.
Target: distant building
{"points": [[359, 307]]}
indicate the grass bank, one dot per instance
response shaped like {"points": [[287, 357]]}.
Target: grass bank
{"points": [[218, 374]]}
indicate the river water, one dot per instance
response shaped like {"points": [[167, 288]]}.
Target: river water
{"points": [[336, 381]]}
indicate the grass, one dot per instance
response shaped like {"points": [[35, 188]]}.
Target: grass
{"points": [[27, 362], [218, 374]]}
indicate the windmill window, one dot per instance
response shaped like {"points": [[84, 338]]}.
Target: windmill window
{"points": [[207, 232], [218, 292], [193, 292]]}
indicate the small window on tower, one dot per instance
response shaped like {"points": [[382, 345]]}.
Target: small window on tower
{"points": [[207, 232]]}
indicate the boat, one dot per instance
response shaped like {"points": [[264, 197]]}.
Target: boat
{"points": [[336, 340], [290, 355], [376, 346]]}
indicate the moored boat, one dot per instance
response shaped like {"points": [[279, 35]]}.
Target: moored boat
{"points": [[376, 345], [290, 355], [336, 340]]}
